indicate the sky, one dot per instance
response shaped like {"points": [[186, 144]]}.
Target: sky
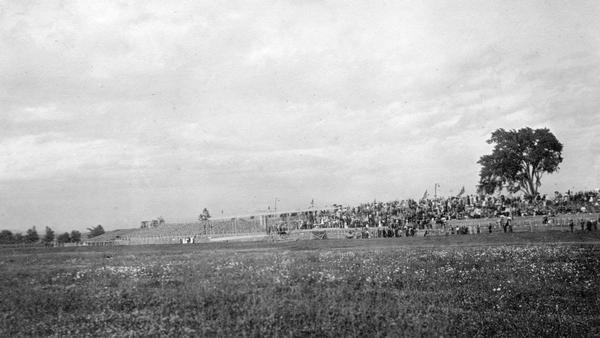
{"points": [[114, 112]]}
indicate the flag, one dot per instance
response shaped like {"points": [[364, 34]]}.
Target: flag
{"points": [[462, 191], [424, 195]]}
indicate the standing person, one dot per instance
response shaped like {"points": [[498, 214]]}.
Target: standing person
{"points": [[490, 228], [509, 224], [571, 224], [365, 233]]}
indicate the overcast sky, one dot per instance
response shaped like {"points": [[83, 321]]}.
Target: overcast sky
{"points": [[116, 112]]}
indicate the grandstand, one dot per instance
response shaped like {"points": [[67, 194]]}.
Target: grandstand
{"points": [[286, 226], [435, 217], [250, 227]]}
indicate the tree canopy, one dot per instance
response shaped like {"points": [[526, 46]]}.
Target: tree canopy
{"points": [[64, 238], [204, 216], [49, 236], [75, 236], [95, 231], [519, 160], [6, 237], [31, 236]]}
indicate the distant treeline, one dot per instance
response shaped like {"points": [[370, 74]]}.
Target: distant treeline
{"points": [[31, 236]]}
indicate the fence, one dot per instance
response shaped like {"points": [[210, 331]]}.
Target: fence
{"points": [[530, 223], [190, 238]]}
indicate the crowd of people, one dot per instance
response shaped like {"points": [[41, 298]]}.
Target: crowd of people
{"points": [[402, 216]]}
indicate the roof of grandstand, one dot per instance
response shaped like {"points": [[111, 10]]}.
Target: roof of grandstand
{"points": [[250, 215]]}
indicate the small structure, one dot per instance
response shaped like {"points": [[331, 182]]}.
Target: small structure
{"points": [[153, 223]]}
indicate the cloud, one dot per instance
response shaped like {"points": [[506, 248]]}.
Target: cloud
{"points": [[50, 155], [39, 114], [179, 105]]}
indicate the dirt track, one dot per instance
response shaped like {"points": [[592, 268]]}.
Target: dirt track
{"points": [[452, 241]]}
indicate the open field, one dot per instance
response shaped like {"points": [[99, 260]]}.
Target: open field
{"points": [[499, 284]]}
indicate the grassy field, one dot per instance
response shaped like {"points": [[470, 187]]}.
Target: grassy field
{"points": [[521, 284]]}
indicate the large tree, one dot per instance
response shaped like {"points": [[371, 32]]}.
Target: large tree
{"points": [[31, 236], [64, 238], [75, 236], [6, 237], [49, 236], [519, 160], [204, 216], [95, 231]]}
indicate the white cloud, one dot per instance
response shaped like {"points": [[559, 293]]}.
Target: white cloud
{"points": [[337, 101], [39, 114], [50, 155]]}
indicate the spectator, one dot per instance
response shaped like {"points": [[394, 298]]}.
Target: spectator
{"points": [[571, 224]]}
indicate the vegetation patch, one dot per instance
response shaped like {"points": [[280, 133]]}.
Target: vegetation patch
{"points": [[362, 290]]}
